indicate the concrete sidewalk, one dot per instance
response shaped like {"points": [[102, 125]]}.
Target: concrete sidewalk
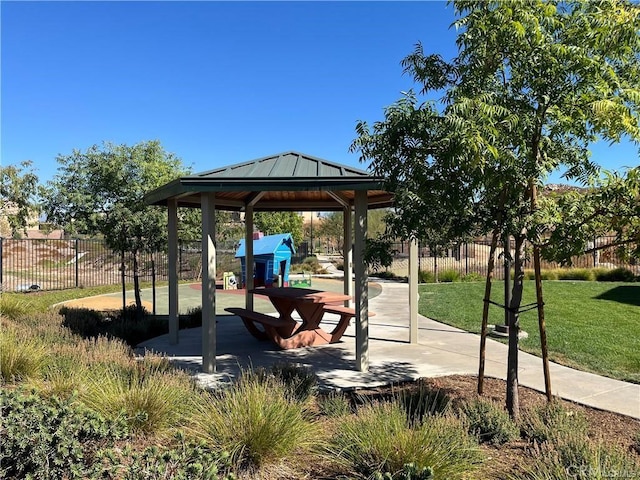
{"points": [[441, 350]]}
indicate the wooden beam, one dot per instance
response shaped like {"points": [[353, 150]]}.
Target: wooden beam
{"points": [[208, 283], [254, 198], [348, 254], [413, 291], [248, 252], [362, 296], [172, 227], [339, 198]]}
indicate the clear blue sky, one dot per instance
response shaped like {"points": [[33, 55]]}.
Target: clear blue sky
{"points": [[216, 82]]}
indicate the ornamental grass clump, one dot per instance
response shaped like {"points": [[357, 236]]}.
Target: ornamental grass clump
{"points": [[546, 422], [257, 421], [423, 400], [380, 439], [150, 400], [22, 356]]}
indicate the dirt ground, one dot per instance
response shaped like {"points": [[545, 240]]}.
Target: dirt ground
{"points": [[103, 303]]}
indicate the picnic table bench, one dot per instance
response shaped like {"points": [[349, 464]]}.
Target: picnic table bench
{"points": [[311, 305]]}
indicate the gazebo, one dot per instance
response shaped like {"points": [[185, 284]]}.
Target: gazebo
{"points": [[288, 181]]}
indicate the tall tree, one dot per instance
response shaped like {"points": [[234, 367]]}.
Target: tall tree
{"points": [[101, 191], [533, 84], [18, 195]]}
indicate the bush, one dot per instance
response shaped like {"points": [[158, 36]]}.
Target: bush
{"points": [[21, 355], [546, 422], [379, 439], [301, 382], [13, 307], [51, 438], [472, 277], [448, 276], [423, 401], [151, 400], [572, 455], [615, 275], [334, 404], [181, 461], [426, 277], [257, 421], [584, 274], [489, 422], [408, 472]]}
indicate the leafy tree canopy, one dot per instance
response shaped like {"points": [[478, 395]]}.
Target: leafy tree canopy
{"points": [[271, 223], [101, 191], [18, 192]]}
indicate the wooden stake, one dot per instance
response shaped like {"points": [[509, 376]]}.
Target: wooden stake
{"points": [[485, 310]]}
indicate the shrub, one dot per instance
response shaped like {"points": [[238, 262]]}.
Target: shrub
{"points": [[635, 445], [255, 420], [22, 356], [334, 404], [448, 276], [423, 401], [193, 318], [584, 274], [489, 422], [300, 381], [572, 455], [151, 401], [179, 461], [426, 277], [379, 439], [546, 422], [13, 307], [408, 472], [615, 275], [51, 438], [472, 277]]}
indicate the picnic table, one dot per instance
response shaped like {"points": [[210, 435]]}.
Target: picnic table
{"points": [[310, 304]]}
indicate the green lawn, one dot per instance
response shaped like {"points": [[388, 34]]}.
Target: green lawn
{"points": [[593, 326]]}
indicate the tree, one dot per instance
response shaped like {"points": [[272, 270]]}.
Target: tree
{"points": [[101, 191], [18, 193], [271, 223], [533, 84]]}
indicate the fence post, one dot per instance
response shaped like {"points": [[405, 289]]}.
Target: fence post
{"points": [[77, 266], [466, 258], [153, 282]]}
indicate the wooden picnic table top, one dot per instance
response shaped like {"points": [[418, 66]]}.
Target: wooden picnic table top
{"points": [[301, 294]]}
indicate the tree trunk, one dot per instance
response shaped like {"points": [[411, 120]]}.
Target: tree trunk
{"points": [[513, 402], [485, 310], [136, 286]]}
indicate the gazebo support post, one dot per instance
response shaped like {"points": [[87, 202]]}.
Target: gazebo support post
{"points": [[362, 296], [248, 249], [208, 283], [413, 291], [172, 227], [348, 254]]}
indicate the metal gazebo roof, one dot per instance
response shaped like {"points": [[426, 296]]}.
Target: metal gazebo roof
{"points": [[286, 181]]}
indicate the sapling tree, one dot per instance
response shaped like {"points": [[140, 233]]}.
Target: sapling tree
{"points": [[101, 191], [534, 83], [18, 195]]}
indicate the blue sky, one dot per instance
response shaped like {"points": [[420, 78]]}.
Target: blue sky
{"points": [[216, 82]]}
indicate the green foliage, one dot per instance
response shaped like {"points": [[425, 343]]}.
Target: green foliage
{"points": [[426, 277], [489, 421], [378, 253], [574, 455], [271, 223], [423, 401], [409, 472], [379, 439], [22, 356], [13, 306], [472, 277], [51, 438], [584, 274], [550, 421], [300, 381], [615, 275], [448, 276], [180, 461], [257, 421], [18, 191], [149, 400], [334, 404]]}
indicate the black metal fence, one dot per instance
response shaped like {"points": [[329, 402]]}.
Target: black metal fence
{"points": [[47, 264], [472, 258]]}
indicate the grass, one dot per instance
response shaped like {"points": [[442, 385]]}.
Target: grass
{"points": [[592, 326]]}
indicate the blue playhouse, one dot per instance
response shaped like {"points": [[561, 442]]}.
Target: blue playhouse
{"points": [[272, 259]]}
